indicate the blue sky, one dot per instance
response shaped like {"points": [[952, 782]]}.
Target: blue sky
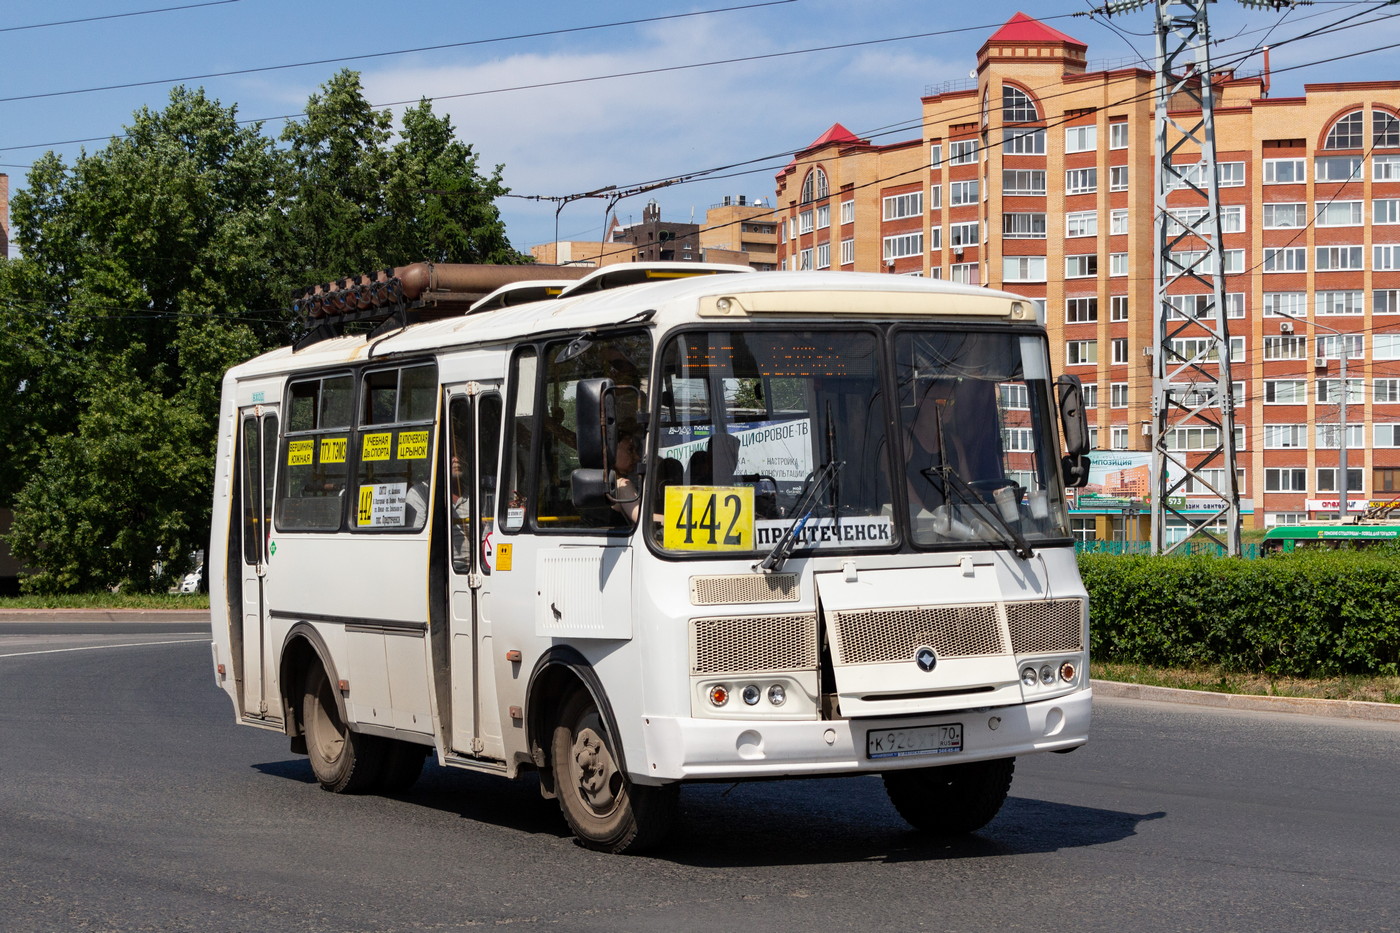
{"points": [[577, 137]]}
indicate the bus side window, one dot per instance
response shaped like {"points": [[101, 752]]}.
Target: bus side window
{"points": [[520, 436], [395, 449], [313, 454]]}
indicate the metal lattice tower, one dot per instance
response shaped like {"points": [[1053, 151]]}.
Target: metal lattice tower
{"points": [[1191, 384]]}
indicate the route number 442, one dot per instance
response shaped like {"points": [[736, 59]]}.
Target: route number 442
{"points": [[709, 518]]}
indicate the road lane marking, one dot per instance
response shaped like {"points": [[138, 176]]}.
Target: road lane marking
{"points": [[135, 644]]}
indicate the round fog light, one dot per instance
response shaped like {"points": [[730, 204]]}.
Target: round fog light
{"points": [[752, 694], [719, 695], [1028, 676], [777, 695], [1047, 674], [1067, 672]]}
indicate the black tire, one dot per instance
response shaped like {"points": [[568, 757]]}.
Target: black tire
{"points": [[606, 811], [403, 764], [344, 761], [952, 800]]}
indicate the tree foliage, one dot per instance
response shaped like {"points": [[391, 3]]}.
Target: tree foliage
{"points": [[151, 266]]}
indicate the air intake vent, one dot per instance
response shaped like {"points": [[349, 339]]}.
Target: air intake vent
{"points": [[753, 644], [1046, 625], [731, 589], [875, 635]]}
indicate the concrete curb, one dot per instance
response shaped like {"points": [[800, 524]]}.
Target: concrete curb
{"points": [[104, 615], [1331, 709]]}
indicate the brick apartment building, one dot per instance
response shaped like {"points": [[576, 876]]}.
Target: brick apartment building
{"points": [[1038, 178], [739, 230]]}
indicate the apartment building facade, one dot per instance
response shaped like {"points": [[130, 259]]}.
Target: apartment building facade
{"points": [[1039, 178]]}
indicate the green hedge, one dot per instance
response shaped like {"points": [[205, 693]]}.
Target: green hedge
{"points": [[1305, 614]]}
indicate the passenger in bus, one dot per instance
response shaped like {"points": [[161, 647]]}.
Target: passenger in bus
{"points": [[715, 465], [461, 513], [628, 490]]}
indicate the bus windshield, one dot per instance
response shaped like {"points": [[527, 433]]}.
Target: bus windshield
{"points": [[796, 426]]}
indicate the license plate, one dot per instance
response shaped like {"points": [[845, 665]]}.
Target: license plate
{"points": [[920, 740]]}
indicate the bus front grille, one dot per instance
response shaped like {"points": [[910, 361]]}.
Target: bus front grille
{"points": [[869, 636], [1046, 625], [731, 589], [745, 644]]}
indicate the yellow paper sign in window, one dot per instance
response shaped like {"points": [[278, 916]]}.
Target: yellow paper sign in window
{"points": [[413, 445], [300, 453], [333, 449], [708, 518], [377, 446]]}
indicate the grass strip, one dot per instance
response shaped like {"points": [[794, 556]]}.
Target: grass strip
{"points": [[1218, 680]]}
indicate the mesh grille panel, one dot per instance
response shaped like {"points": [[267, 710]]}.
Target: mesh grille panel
{"points": [[753, 643], [870, 636], [744, 588], [1054, 625]]}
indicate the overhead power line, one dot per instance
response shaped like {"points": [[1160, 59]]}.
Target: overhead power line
{"points": [[93, 19]]}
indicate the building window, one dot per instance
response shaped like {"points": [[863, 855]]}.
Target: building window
{"points": [[1023, 269], [1120, 350], [814, 186], [823, 255], [1341, 302], [1081, 310], [1385, 391], [1285, 348], [962, 192], [1117, 178], [904, 244], [1023, 226], [935, 238], [965, 272], [1385, 130], [1017, 106], [1081, 352], [1117, 307], [1347, 132], [1118, 437], [935, 155], [1118, 221], [1385, 211], [1118, 395], [1286, 259], [1337, 168], [1329, 391], [1023, 141], [1285, 303], [1023, 181], [1081, 181], [1117, 264], [964, 234], [1338, 258], [1285, 391], [1385, 346], [962, 152], [848, 211], [1285, 436], [804, 259], [1385, 435], [1285, 216], [1386, 257], [1082, 266], [1285, 171], [1118, 135], [1196, 307], [848, 252], [898, 206], [1205, 349], [1288, 479], [1091, 394], [1330, 346], [1385, 301], [1081, 138], [1385, 168], [1015, 397], [823, 217], [804, 221], [1339, 214], [1327, 478], [1082, 223]]}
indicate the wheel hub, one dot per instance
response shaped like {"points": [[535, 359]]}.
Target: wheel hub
{"points": [[594, 767]]}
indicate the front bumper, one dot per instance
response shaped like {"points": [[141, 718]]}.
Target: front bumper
{"points": [[699, 749]]}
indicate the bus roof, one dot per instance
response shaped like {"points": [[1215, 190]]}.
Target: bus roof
{"points": [[818, 297]]}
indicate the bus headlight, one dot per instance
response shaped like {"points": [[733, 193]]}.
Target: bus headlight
{"points": [[752, 695], [1028, 676], [777, 695]]}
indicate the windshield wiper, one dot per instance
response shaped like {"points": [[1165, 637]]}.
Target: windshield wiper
{"points": [[963, 491], [806, 504]]}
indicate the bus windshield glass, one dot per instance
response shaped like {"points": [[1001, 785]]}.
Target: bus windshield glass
{"points": [[979, 447], [764, 433]]}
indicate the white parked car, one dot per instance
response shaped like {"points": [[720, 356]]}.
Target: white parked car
{"points": [[191, 582]]}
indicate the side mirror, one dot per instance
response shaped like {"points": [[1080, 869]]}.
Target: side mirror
{"points": [[1074, 421], [590, 488], [597, 424]]}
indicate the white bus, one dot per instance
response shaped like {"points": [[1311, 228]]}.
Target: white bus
{"points": [[663, 523]]}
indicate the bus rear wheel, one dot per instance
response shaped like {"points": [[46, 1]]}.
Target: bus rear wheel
{"points": [[605, 810], [344, 761], [952, 800]]}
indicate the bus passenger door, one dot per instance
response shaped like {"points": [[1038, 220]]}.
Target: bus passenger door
{"points": [[257, 453], [474, 439]]}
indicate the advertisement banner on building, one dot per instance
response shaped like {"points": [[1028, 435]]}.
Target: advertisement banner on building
{"points": [[1117, 479]]}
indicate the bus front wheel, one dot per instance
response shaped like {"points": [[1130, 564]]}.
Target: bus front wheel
{"points": [[952, 800], [344, 761], [605, 810]]}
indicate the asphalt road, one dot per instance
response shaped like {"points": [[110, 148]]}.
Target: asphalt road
{"points": [[129, 800]]}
